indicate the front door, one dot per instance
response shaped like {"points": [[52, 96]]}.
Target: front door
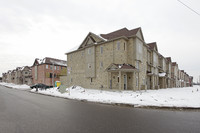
{"points": [[125, 82], [148, 82]]}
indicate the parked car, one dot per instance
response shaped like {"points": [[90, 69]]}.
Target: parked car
{"points": [[41, 86]]}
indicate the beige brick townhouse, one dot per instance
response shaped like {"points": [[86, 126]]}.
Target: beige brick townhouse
{"points": [[118, 60], [109, 61]]}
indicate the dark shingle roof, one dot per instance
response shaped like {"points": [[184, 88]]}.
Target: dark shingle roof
{"points": [[152, 45], [173, 63], [119, 33], [169, 59]]}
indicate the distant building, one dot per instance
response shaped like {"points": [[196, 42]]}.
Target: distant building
{"points": [[23, 75], [191, 81], [20, 75], [48, 70]]}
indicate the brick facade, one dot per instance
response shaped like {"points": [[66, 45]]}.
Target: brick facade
{"points": [[47, 70]]}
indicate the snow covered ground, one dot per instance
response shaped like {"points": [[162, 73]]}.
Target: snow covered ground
{"points": [[171, 97], [19, 87]]}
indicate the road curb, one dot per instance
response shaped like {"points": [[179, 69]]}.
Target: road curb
{"points": [[127, 105], [120, 104]]}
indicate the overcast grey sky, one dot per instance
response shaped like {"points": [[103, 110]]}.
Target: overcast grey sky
{"points": [[32, 29]]}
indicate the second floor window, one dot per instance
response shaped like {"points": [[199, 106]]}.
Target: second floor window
{"points": [[118, 45], [137, 65], [47, 66], [124, 46], [101, 49], [51, 67], [89, 51]]}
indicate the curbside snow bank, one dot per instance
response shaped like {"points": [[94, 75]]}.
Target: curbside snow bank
{"points": [[177, 98]]}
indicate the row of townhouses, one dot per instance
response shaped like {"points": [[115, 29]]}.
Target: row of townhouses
{"points": [[46, 71], [122, 60], [20, 75]]}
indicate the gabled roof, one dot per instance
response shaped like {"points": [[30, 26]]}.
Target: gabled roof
{"points": [[153, 46], [169, 59], [119, 33], [91, 38], [51, 61], [174, 64], [114, 67]]}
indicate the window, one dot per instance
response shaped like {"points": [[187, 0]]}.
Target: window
{"points": [[136, 81], [139, 48], [51, 67], [71, 80], [26, 72], [51, 75], [101, 49], [124, 46], [144, 81], [57, 67], [137, 64], [46, 66], [155, 58], [91, 80], [54, 75], [101, 64], [70, 57], [89, 51], [118, 45]]}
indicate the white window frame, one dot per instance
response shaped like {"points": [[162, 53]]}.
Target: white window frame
{"points": [[47, 66], [89, 51], [140, 50], [118, 45], [137, 65], [101, 49]]}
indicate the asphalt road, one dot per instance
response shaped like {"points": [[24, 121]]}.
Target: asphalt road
{"points": [[25, 112]]}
